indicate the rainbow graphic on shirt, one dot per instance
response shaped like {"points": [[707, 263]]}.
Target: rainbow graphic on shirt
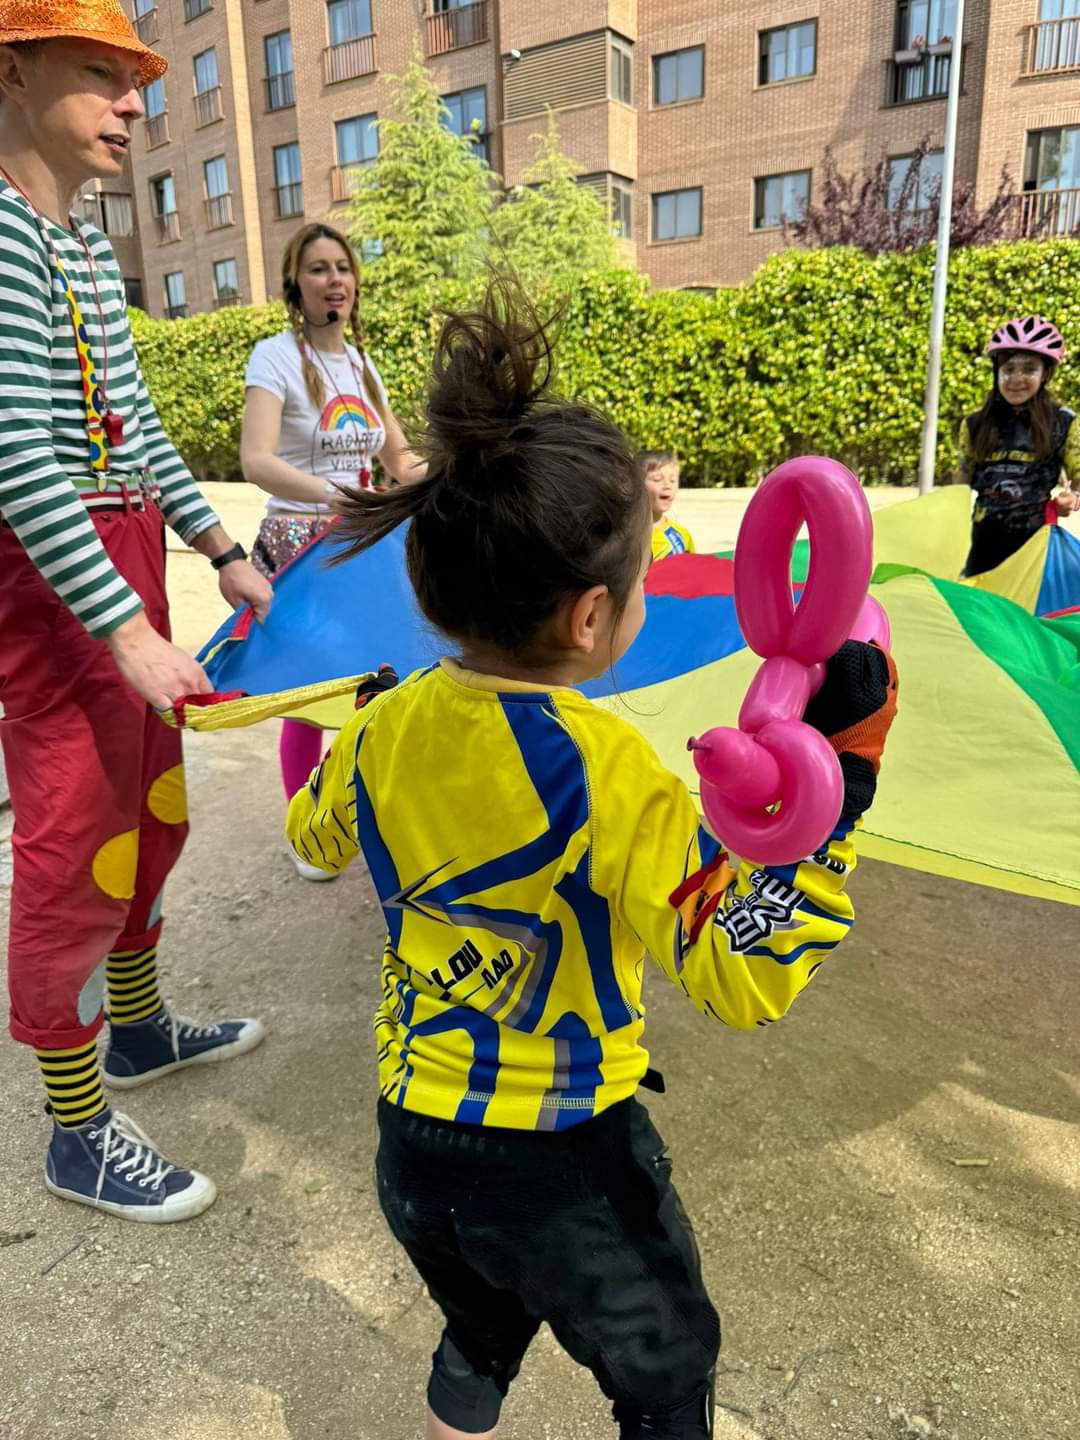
{"points": [[348, 409]]}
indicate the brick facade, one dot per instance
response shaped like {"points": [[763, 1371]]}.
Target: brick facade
{"points": [[1019, 78]]}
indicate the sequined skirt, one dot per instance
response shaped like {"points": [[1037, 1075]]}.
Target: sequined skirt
{"points": [[281, 538]]}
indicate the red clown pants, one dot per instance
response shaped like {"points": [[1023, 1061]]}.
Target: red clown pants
{"points": [[97, 785]]}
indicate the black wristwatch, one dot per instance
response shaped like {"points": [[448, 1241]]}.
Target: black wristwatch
{"points": [[236, 553]]}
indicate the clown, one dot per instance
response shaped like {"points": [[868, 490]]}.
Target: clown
{"points": [[88, 479]]}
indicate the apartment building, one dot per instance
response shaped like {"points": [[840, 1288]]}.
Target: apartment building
{"points": [[702, 123]]}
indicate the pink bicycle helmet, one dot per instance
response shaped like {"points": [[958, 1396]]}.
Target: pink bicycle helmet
{"points": [[1032, 333]]}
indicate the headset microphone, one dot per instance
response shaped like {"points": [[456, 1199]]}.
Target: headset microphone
{"points": [[332, 317]]}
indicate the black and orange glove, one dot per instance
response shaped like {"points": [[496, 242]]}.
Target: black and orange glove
{"points": [[373, 685], [854, 710]]}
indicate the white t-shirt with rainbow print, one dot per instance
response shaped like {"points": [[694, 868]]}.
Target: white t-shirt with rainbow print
{"points": [[337, 443]]}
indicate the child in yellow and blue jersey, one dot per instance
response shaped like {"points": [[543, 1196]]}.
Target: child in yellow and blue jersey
{"points": [[529, 849], [659, 469]]}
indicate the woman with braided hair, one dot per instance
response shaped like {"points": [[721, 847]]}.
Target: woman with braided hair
{"points": [[316, 414]]}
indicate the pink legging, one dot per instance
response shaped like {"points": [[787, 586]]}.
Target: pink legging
{"points": [[300, 750]]}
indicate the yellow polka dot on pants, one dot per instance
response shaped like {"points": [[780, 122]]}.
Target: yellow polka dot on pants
{"points": [[114, 865], [167, 797]]}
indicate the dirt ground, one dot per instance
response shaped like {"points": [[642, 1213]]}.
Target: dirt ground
{"points": [[885, 1186]]}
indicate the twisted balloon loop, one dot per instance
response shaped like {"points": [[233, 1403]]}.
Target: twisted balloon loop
{"points": [[772, 789]]}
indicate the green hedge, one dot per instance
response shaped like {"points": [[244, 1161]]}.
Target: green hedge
{"points": [[821, 351]]}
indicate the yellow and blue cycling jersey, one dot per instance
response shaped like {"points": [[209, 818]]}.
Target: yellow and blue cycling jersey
{"points": [[671, 538], [528, 849]]}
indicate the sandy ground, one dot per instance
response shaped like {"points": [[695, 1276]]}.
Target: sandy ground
{"points": [[885, 1186]]}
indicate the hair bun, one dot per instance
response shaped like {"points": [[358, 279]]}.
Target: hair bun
{"points": [[492, 368]]}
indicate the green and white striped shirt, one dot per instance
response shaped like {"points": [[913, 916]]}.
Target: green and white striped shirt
{"points": [[44, 457]]}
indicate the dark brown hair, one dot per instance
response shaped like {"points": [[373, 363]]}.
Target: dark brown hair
{"points": [[529, 500], [991, 420]]}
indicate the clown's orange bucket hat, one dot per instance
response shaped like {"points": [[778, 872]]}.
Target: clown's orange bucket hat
{"points": [[101, 20]]}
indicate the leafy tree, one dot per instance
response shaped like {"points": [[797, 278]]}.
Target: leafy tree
{"points": [[422, 212], [552, 230], [865, 209]]}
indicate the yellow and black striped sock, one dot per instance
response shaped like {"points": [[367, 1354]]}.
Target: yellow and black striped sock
{"points": [[131, 976], [73, 1083]]}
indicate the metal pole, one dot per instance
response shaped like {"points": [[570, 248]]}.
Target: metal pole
{"points": [[941, 263]]}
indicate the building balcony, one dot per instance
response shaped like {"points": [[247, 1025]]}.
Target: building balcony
{"points": [[289, 200], [454, 29], [349, 60], [208, 107], [919, 75], [221, 302], [345, 179], [167, 226], [147, 27], [1053, 48], [194, 8], [280, 90], [219, 211], [157, 130], [1047, 213], [175, 312]]}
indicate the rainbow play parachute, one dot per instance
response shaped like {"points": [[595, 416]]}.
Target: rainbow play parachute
{"points": [[982, 775]]}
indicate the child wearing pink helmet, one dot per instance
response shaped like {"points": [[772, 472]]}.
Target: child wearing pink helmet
{"points": [[1013, 451]]}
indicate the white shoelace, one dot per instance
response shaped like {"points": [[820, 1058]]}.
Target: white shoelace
{"points": [[181, 1027], [127, 1148]]}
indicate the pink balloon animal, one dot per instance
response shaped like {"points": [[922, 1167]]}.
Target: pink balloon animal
{"points": [[772, 789]]}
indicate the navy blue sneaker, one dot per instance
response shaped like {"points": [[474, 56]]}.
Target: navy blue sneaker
{"points": [[166, 1042], [108, 1163]]}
